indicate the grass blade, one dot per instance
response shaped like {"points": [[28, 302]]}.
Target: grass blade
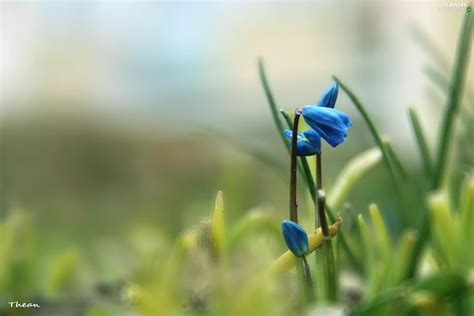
{"points": [[303, 166], [373, 130], [369, 253], [218, 227], [467, 209], [271, 102], [421, 141], [382, 237], [394, 160], [442, 82], [454, 98], [405, 251], [350, 175], [444, 228], [456, 87]]}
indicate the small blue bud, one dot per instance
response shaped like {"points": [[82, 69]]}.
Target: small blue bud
{"points": [[329, 96], [330, 124], [308, 143], [295, 238]]}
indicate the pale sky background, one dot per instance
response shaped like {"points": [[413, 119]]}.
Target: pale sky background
{"points": [[175, 65]]}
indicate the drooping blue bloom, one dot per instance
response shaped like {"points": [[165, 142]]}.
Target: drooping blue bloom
{"points": [[295, 238], [329, 96], [330, 124], [308, 143]]}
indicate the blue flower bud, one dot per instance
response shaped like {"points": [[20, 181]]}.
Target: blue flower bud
{"points": [[330, 124], [329, 96], [295, 238], [308, 143]]}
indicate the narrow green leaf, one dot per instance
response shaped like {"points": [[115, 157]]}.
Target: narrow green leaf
{"points": [[351, 174], [467, 210], [455, 92], [379, 305], [382, 236], [373, 130], [421, 141], [62, 274], [370, 263], [438, 287], [302, 167], [395, 161], [329, 270], [287, 118], [218, 227], [405, 252], [456, 87], [442, 82], [271, 102], [445, 227], [443, 284]]}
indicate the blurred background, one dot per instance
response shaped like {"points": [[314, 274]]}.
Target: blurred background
{"points": [[120, 117]]}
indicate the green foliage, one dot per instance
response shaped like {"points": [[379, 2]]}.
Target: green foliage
{"points": [[373, 130], [62, 272], [421, 141], [349, 176], [453, 230], [17, 264], [456, 87]]}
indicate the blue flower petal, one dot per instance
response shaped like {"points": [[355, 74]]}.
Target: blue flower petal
{"points": [[344, 117], [306, 146], [326, 116], [288, 134], [329, 96], [330, 124], [313, 137], [295, 238]]}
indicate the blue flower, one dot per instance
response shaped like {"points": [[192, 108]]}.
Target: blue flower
{"points": [[330, 124], [295, 238], [308, 143], [329, 96]]}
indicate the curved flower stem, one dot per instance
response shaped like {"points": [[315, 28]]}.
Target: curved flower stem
{"points": [[306, 172], [303, 165], [300, 269], [293, 169]]}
